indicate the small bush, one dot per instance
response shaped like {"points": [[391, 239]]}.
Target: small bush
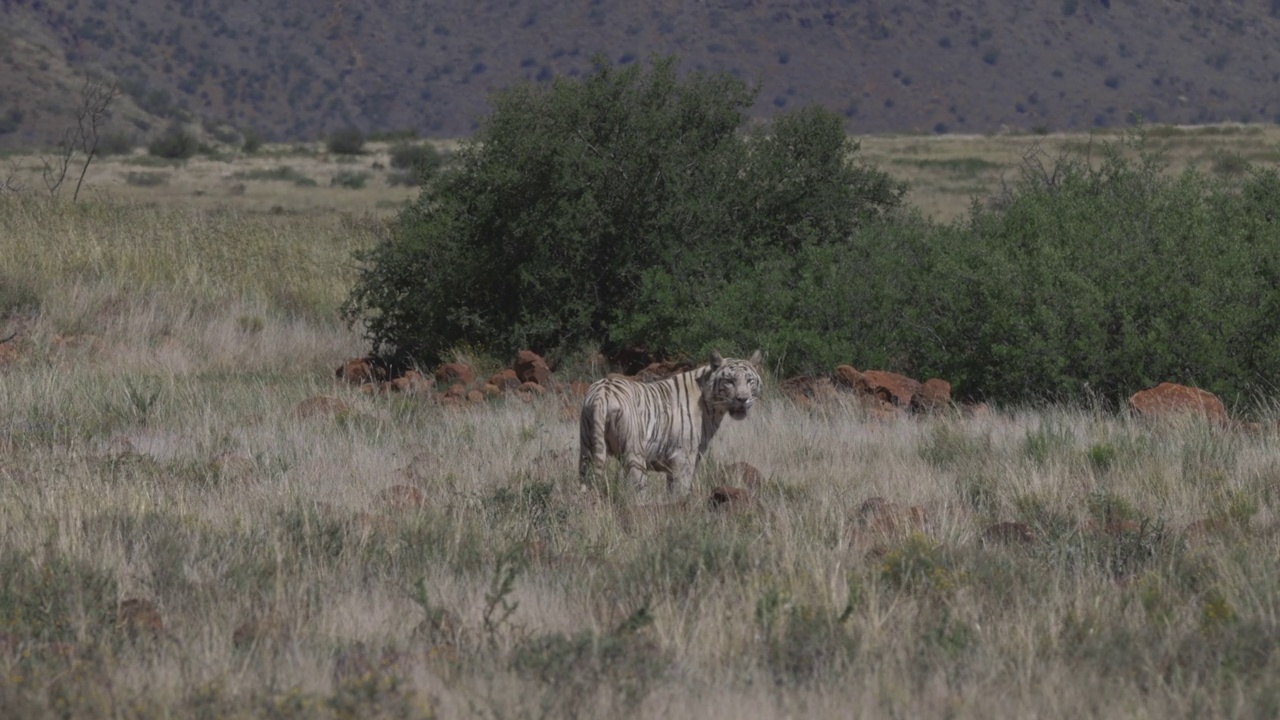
{"points": [[284, 173], [573, 668], [146, 179], [920, 565], [176, 143], [348, 141], [422, 158], [116, 143], [349, 179], [403, 179], [393, 135], [17, 296], [252, 141]]}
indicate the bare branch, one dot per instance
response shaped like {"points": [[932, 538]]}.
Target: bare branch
{"points": [[96, 97]]}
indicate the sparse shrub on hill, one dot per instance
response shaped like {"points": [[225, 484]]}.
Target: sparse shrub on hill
{"points": [[176, 143], [115, 143], [605, 209], [252, 141], [350, 180], [347, 141]]}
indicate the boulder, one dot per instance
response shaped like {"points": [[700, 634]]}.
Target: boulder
{"points": [[1172, 400], [879, 516], [846, 376], [725, 497], [451, 373], [140, 618], [1009, 533], [807, 390], [530, 367], [505, 380], [362, 370], [411, 382], [745, 473], [663, 370], [934, 395], [888, 386]]}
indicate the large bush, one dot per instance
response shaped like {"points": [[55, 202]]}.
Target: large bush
{"points": [[1106, 277], [612, 209]]}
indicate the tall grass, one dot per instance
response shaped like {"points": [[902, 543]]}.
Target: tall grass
{"points": [[167, 463]]}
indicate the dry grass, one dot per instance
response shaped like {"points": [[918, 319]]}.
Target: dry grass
{"points": [[946, 172], [150, 450]]}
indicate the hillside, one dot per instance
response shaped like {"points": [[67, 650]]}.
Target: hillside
{"points": [[297, 70]]}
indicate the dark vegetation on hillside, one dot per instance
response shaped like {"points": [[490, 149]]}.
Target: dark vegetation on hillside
{"points": [[627, 208], [301, 70]]}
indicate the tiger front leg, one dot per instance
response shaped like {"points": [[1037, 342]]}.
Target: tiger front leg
{"points": [[680, 476]]}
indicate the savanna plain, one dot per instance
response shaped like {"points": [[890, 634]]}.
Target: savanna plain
{"points": [[185, 535]]}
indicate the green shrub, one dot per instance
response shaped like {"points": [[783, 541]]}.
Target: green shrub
{"points": [[280, 172], [350, 180], [1110, 276], [176, 143], [347, 141], [115, 143], [146, 179], [603, 209], [408, 156], [252, 141]]}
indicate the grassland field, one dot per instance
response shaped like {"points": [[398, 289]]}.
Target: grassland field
{"points": [[177, 539]]}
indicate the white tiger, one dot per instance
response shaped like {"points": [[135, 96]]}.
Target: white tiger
{"points": [[664, 426]]}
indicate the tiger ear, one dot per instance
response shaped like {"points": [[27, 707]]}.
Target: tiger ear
{"points": [[756, 357], [716, 359]]}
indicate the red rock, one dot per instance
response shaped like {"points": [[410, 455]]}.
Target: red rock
{"points": [[745, 473], [532, 388], [1172, 400], [451, 373], [632, 360], [1009, 533], [934, 394], [403, 497], [879, 410], [663, 370], [491, 390], [457, 390], [411, 382], [321, 405], [847, 376], [505, 380], [806, 390], [888, 386], [530, 367], [880, 516], [725, 497], [139, 618], [578, 389], [1205, 527], [359, 371], [475, 397]]}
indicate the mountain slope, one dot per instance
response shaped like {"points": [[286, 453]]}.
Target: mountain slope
{"points": [[298, 70]]}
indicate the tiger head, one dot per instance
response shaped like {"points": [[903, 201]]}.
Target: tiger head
{"points": [[733, 385]]}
